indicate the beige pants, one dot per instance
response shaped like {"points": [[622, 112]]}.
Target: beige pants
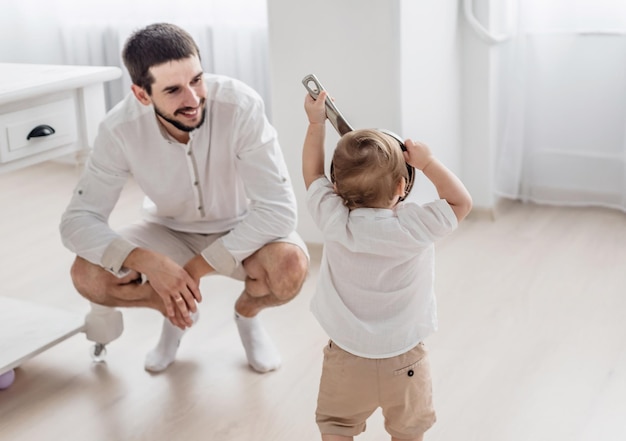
{"points": [[352, 388]]}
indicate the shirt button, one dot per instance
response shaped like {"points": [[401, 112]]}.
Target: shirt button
{"points": [[189, 153], [410, 373], [200, 208], [195, 183]]}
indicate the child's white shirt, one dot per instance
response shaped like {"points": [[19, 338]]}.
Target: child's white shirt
{"points": [[374, 294]]}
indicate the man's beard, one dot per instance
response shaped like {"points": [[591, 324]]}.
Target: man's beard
{"points": [[178, 124]]}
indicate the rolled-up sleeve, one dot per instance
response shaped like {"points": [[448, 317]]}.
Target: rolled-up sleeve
{"points": [[220, 258], [84, 224]]}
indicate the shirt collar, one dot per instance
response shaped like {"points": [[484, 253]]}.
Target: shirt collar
{"points": [[168, 136], [372, 212]]}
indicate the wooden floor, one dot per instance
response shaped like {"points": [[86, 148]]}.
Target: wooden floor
{"points": [[531, 345]]}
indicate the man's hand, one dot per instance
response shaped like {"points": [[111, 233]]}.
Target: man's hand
{"points": [[178, 290]]}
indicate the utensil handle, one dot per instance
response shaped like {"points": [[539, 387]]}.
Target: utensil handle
{"points": [[314, 87]]}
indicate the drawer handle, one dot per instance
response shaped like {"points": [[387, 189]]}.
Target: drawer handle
{"points": [[39, 131]]}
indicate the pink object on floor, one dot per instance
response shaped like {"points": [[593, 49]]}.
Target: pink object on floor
{"points": [[7, 379]]}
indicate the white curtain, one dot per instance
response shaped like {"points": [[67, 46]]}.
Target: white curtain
{"points": [[562, 131], [231, 35]]}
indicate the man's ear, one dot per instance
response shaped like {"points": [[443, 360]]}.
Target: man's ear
{"points": [[141, 94]]}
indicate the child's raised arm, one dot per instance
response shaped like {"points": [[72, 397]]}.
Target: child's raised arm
{"points": [[448, 185], [313, 149]]}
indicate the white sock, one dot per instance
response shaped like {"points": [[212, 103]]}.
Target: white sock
{"points": [[263, 356], [164, 353]]}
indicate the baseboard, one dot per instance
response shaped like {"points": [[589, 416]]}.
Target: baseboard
{"points": [[499, 208], [482, 213]]}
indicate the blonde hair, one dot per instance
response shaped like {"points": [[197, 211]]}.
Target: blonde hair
{"points": [[367, 167]]}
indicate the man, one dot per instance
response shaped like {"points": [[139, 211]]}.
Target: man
{"points": [[218, 199]]}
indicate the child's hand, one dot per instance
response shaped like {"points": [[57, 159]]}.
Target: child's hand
{"points": [[417, 154], [316, 108]]}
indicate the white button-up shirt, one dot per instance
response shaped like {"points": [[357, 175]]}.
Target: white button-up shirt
{"points": [[374, 295], [230, 177]]}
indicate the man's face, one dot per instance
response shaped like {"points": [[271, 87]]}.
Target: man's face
{"points": [[179, 95]]}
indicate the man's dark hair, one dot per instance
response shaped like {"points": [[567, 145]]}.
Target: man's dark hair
{"points": [[153, 45]]}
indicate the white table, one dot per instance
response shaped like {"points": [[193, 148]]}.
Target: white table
{"points": [[46, 111], [27, 329]]}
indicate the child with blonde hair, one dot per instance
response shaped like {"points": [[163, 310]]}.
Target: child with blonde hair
{"points": [[375, 296]]}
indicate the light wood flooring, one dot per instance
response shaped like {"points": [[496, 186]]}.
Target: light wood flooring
{"points": [[531, 344]]}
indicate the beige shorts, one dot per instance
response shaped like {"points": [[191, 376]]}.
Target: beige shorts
{"points": [[352, 388], [181, 246]]}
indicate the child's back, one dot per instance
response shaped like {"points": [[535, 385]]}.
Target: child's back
{"points": [[375, 295]]}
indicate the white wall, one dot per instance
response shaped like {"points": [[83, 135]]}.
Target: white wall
{"points": [[477, 97], [388, 63], [431, 83], [486, 75], [396, 64], [41, 37]]}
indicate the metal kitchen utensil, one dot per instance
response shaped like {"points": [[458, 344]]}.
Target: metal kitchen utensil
{"points": [[314, 87]]}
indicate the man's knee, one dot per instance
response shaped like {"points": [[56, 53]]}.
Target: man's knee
{"points": [[290, 273], [87, 279], [78, 272]]}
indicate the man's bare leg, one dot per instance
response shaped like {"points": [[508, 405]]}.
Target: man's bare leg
{"points": [[101, 287], [276, 273], [326, 437]]}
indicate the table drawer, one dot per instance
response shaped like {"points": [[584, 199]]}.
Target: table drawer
{"points": [[38, 128]]}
